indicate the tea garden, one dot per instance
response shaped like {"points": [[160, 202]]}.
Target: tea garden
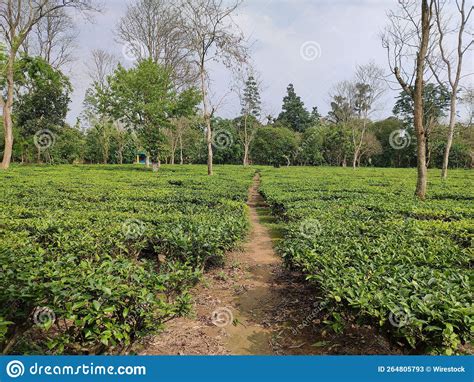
{"points": [[94, 258]]}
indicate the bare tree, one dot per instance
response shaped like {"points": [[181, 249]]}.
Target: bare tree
{"points": [[369, 88], [53, 38], [17, 20], [102, 65], [212, 36], [151, 30], [407, 41], [447, 64]]}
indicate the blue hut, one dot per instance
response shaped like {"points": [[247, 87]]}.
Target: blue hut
{"points": [[142, 158]]}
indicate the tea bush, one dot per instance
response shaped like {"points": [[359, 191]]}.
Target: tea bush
{"points": [[95, 257], [378, 254]]}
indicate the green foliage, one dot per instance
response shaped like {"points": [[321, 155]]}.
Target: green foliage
{"points": [[41, 101], [294, 114], [436, 101], [274, 146], [144, 99], [251, 103], [111, 251], [376, 253]]}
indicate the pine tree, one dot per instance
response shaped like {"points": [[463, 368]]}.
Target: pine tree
{"points": [[251, 103], [294, 115], [251, 110]]}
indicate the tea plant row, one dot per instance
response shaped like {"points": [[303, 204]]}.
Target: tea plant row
{"points": [[94, 258], [378, 255]]}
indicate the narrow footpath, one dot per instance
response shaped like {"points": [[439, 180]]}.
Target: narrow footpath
{"points": [[254, 305]]}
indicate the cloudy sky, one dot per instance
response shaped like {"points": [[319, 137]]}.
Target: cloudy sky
{"points": [[310, 43]]}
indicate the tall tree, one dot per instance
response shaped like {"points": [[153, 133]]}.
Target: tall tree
{"points": [[105, 128], [447, 64], [250, 114], [212, 36], [408, 35], [42, 99], [144, 98], [294, 114], [369, 88], [53, 39], [151, 29], [17, 19]]}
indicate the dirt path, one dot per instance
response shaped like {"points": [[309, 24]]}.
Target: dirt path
{"points": [[255, 306]]}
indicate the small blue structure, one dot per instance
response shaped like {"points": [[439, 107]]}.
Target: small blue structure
{"points": [[142, 158]]}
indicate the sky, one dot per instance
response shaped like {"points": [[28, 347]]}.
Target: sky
{"points": [[311, 43]]}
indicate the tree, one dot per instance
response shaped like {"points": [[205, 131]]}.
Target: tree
{"points": [[353, 102], [53, 39], [275, 146], [294, 114], [95, 113], [250, 113], [311, 149], [450, 62], [369, 88], [212, 36], [435, 103], [183, 114], [100, 66], [151, 29], [407, 36], [144, 98], [17, 20], [42, 99], [404, 156]]}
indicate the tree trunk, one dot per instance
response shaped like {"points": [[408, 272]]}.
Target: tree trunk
{"points": [[180, 149], [207, 119], [7, 116], [173, 151], [422, 179], [354, 160], [246, 154], [449, 142], [246, 143]]}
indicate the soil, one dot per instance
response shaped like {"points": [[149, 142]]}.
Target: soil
{"points": [[255, 305]]}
